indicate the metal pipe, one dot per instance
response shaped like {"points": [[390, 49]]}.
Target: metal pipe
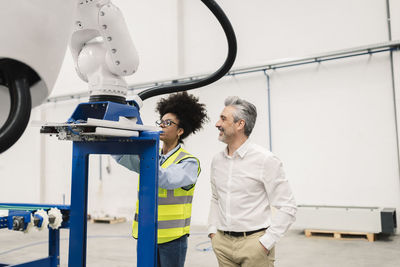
{"points": [[307, 62], [393, 86], [180, 37], [388, 19], [356, 51], [284, 63], [280, 63], [269, 110]]}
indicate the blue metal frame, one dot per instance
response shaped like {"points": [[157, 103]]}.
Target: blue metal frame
{"points": [[147, 147], [105, 111], [53, 260], [25, 210]]}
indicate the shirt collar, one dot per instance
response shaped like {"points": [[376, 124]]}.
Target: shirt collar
{"points": [[170, 152], [241, 151]]}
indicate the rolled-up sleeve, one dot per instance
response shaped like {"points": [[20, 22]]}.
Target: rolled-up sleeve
{"points": [[131, 162], [178, 175], [174, 176]]}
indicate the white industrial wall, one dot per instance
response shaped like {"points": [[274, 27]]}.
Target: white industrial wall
{"points": [[332, 123]]}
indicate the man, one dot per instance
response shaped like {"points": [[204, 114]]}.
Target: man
{"points": [[181, 115], [246, 181]]}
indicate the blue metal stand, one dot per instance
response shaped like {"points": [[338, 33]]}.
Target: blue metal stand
{"points": [[147, 147], [53, 260], [25, 210]]}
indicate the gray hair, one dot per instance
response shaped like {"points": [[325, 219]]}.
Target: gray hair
{"points": [[244, 110]]}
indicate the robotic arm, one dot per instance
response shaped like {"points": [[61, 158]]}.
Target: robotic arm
{"points": [[35, 42], [102, 50]]}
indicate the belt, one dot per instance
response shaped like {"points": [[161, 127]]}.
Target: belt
{"points": [[238, 234]]}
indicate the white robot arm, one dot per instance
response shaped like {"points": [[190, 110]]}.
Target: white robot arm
{"points": [[102, 49]]}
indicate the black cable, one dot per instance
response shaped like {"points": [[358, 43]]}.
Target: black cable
{"points": [[18, 78], [20, 112], [230, 59]]}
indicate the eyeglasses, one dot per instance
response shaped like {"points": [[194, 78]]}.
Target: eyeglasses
{"points": [[166, 123]]}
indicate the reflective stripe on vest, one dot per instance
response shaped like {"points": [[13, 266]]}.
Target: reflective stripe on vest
{"points": [[171, 199], [170, 223], [174, 206]]}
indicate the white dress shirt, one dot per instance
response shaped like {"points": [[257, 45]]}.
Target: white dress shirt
{"points": [[244, 188]]}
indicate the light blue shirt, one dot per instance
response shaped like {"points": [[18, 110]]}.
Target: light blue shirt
{"points": [[183, 174]]}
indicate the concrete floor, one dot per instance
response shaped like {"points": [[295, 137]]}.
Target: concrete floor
{"points": [[110, 245]]}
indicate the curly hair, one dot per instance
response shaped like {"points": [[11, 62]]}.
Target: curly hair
{"points": [[190, 113]]}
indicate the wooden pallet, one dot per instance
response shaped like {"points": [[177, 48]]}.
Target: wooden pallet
{"points": [[109, 220], [339, 235]]}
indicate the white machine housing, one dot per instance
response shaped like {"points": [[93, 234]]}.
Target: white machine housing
{"points": [[36, 33], [341, 218]]}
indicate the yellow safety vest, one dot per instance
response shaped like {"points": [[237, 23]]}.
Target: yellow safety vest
{"points": [[174, 205]]}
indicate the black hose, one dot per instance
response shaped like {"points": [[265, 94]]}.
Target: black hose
{"points": [[19, 87], [232, 49]]}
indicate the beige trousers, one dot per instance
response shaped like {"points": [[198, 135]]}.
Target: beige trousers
{"points": [[245, 251]]}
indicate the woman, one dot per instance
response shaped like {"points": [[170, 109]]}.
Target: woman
{"points": [[181, 115]]}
